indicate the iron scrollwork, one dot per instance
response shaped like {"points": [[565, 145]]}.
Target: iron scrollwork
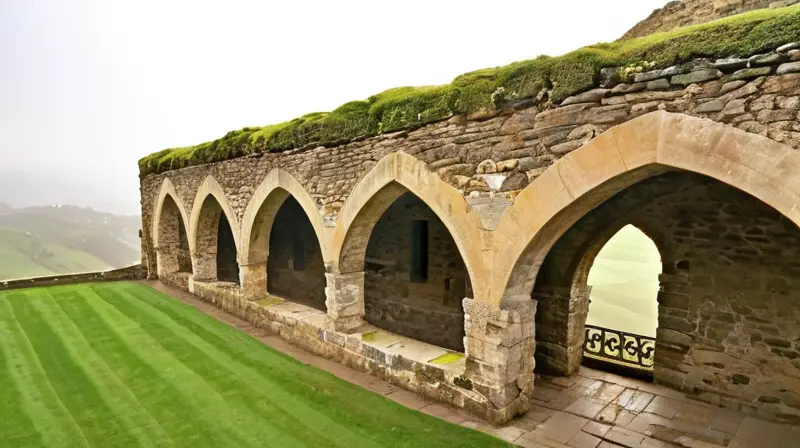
{"points": [[620, 347]]}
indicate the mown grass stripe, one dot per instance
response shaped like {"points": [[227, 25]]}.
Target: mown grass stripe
{"points": [[305, 385], [309, 386], [287, 403], [295, 412], [18, 428], [119, 399], [97, 421], [40, 402], [284, 430], [161, 382]]}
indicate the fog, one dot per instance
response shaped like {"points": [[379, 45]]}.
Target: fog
{"points": [[89, 87]]}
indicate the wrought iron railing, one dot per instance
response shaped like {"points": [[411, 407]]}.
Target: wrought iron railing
{"points": [[619, 347]]}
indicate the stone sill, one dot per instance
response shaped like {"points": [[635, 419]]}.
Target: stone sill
{"points": [[387, 348]]}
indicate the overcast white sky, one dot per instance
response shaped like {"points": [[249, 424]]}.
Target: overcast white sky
{"points": [[87, 87]]}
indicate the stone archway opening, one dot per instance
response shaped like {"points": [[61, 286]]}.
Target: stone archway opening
{"points": [[295, 266], [174, 256], [622, 319], [216, 257], [415, 278], [729, 289]]}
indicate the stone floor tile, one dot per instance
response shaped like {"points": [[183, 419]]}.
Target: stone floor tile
{"points": [[604, 392], [624, 437], [561, 427], [596, 428], [634, 400], [696, 414], [670, 430], [535, 416], [615, 414], [563, 381], [766, 433], [546, 393], [408, 399], [791, 438], [507, 433], [584, 440], [741, 443], [663, 391], [663, 406], [536, 439], [727, 421], [585, 407], [446, 413]]}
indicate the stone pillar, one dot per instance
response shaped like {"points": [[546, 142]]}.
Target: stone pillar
{"points": [[253, 280], [676, 331], [344, 299], [204, 266], [499, 348], [560, 328]]}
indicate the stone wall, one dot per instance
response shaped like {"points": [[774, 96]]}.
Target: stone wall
{"points": [[135, 272], [302, 281], [728, 307], [680, 13], [428, 310], [758, 95]]}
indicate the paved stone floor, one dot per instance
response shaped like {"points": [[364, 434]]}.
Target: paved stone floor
{"points": [[591, 409]]}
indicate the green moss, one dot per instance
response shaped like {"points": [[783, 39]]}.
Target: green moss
{"points": [[447, 358], [409, 107], [369, 336]]}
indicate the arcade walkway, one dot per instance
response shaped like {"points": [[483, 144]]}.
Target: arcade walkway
{"points": [[590, 409]]}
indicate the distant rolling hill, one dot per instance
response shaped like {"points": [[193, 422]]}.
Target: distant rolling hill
{"points": [[39, 241]]}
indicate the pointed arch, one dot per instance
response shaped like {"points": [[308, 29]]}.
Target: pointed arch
{"points": [[394, 175], [169, 232], [167, 189], [210, 187], [214, 235], [267, 199], [620, 157]]}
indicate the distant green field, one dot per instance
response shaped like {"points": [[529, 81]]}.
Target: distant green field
{"points": [[122, 365], [624, 281], [25, 255]]}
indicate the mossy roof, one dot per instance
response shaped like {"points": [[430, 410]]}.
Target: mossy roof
{"points": [[409, 107]]}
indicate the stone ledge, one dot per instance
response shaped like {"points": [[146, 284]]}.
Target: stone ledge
{"points": [[402, 361]]}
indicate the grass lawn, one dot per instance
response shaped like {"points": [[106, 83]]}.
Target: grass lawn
{"points": [[120, 364]]}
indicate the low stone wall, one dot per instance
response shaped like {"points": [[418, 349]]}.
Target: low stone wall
{"points": [[405, 365], [438, 325], [135, 272]]}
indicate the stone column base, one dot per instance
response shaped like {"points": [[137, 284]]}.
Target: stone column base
{"points": [[499, 356], [344, 299], [560, 328], [253, 280]]}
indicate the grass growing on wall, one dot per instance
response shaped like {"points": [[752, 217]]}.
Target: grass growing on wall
{"points": [[409, 107], [122, 365]]}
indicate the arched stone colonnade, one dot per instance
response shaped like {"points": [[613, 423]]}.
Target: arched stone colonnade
{"points": [[508, 266]]}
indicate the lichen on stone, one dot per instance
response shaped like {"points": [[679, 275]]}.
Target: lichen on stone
{"points": [[489, 89]]}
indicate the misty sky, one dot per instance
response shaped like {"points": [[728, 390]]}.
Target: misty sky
{"points": [[87, 87]]}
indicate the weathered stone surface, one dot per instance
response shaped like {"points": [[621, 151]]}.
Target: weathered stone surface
{"points": [[789, 67], [767, 59], [749, 73], [658, 84], [696, 77], [592, 96], [730, 63]]}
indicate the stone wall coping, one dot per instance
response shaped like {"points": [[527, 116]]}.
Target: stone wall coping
{"points": [[134, 272]]}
